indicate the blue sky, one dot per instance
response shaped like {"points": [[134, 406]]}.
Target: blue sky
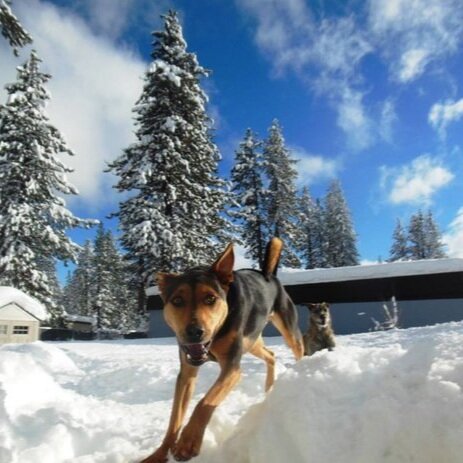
{"points": [[370, 92]]}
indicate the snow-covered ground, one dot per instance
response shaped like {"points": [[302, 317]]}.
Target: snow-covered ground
{"points": [[392, 397]]}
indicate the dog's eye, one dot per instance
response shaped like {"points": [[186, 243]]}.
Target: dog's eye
{"points": [[177, 301], [210, 299]]}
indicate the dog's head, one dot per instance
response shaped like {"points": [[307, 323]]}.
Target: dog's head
{"points": [[320, 314], [195, 304]]}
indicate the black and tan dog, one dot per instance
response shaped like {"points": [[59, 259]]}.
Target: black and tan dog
{"points": [[219, 314], [320, 334]]}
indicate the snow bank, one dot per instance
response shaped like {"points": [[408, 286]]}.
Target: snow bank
{"points": [[386, 397], [9, 294], [394, 403]]}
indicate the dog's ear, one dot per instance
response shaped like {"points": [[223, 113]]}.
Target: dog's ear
{"points": [[163, 280], [311, 306], [223, 266]]}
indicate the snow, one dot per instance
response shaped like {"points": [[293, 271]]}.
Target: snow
{"points": [[384, 397], [9, 294]]}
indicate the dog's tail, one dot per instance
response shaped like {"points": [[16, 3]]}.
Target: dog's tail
{"points": [[272, 257]]}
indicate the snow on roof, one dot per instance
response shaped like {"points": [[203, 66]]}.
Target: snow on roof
{"points": [[291, 277], [370, 272], [32, 306], [80, 319]]}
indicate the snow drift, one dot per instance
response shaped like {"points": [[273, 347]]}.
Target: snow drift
{"points": [[389, 397]]}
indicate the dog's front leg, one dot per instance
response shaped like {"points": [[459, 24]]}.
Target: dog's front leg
{"points": [[184, 388], [189, 443]]}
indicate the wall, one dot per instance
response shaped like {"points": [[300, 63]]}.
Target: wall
{"points": [[356, 317]]}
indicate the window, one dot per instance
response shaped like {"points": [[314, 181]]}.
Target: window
{"points": [[20, 330], [3, 329]]}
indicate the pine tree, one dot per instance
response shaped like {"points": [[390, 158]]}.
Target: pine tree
{"points": [[173, 216], [33, 214], [434, 245], [11, 28], [399, 249], [282, 199], [339, 229], [424, 237], [417, 237], [248, 187], [308, 224], [320, 236], [110, 294], [47, 266], [79, 292]]}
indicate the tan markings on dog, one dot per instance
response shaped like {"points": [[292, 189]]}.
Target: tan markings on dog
{"points": [[189, 443], [163, 280], [293, 343], [184, 388], [220, 348], [273, 252], [223, 266], [261, 351], [190, 303], [201, 304]]}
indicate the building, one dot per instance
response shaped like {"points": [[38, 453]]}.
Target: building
{"points": [[20, 316], [427, 292], [79, 323]]}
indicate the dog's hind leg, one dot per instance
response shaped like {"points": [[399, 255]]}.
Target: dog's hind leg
{"points": [[260, 351], [285, 321]]}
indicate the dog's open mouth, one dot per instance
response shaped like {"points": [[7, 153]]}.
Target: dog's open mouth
{"points": [[197, 353]]}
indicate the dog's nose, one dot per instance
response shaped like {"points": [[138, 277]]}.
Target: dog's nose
{"points": [[194, 333]]}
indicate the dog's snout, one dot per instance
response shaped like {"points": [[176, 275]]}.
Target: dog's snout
{"points": [[194, 333]]}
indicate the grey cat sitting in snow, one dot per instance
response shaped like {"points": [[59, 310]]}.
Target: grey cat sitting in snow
{"points": [[320, 334]]}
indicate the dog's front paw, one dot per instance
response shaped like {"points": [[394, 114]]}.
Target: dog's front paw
{"points": [[159, 456], [187, 446]]}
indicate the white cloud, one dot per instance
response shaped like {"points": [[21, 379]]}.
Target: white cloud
{"points": [[94, 88], [415, 183], [313, 168], [411, 34], [454, 236], [354, 121], [112, 18], [388, 118], [326, 54], [441, 114]]}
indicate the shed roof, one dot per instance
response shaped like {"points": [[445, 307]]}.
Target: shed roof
{"points": [[29, 304], [407, 280]]}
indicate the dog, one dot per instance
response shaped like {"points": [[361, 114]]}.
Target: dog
{"points": [[320, 334], [218, 314]]}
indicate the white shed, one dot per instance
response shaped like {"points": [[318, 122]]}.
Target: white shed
{"points": [[20, 316]]}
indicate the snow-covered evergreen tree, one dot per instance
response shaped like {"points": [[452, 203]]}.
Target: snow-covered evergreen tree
{"points": [[399, 249], [339, 229], [320, 236], [47, 266], [417, 237], [250, 194], [424, 237], [79, 291], [309, 234], [11, 28], [33, 213], [434, 245], [172, 218], [111, 298], [282, 197]]}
